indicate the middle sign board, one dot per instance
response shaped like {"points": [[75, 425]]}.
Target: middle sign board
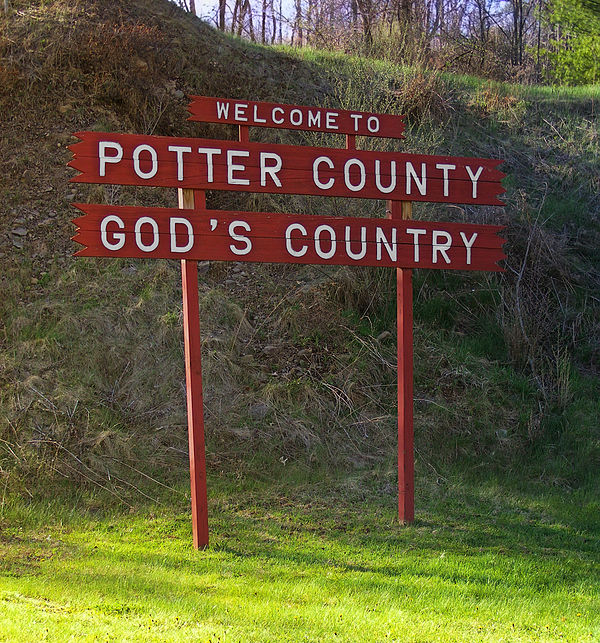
{"points": [[207, 164]]}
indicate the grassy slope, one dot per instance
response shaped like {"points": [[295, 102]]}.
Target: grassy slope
{"points": [[91, 365]]}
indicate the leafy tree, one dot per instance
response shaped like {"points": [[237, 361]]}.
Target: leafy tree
{"points": [[574, 50]]}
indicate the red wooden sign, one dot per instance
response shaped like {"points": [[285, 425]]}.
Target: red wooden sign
{"points": [[131, 159], [170, 233], [193, 233], [294, 117]]}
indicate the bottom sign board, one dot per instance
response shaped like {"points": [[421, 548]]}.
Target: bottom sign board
{"points": [[171, 233]]}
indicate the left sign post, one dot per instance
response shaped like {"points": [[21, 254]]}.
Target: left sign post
{"points": [[193, 380]]}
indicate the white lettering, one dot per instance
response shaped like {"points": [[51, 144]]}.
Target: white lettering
{"points": [[138, 234], [179, 150], [210, 152], [330, 120], [318, 182], [363, 175], [318, 249], [240, 237], [270, 170], [474, 178], [236, 167], [363, 243], [136, 161], [288, 240], [314, 119], [222, 110], [468, 244], [373, 124], [108, 145], [411, 173], [356, 118], [416, 233], [173, 221], [392, 249], [277, 109], [119, 236], [298, 120], [441, 247], [392, 185], [256, 117], [445, 167], [240, 112]]}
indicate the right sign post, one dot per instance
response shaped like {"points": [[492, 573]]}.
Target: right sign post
{"points": [[404, 321]]}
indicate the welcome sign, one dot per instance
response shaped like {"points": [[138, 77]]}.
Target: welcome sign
{"points": [[193, 233]]}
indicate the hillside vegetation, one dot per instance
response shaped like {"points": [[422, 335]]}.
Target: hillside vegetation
{"points": [[297, 364], [299, 367]]}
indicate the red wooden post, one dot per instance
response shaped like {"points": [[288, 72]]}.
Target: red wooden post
{"points": [[193, 378], [406, 459]]}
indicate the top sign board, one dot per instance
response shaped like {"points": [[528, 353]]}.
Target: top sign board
{"points": [[294, 117]]}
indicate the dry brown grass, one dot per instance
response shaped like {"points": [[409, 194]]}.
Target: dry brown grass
{"points": [[537, 316]]}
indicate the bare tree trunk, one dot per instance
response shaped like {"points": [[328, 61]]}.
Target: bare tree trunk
{"points": [[241, 18], [280, 22], [482, 16], [297, 30], [263, 24], [366, 11], [538, 68], [193, 7], [404, 11], [234, 18], [248, 12], [434, 23], [517, 39], [222, 7]]}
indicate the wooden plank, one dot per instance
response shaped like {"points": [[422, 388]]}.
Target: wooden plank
{"points": [[208, 109], [274, 225], [193, 377], [129, 231], [406, 465], [128, 159]]}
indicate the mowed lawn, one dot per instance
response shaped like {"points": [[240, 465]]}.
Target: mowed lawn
{"points": [[305, 561]]}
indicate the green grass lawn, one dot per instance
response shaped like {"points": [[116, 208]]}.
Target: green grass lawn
{"points": [[301, 560]]}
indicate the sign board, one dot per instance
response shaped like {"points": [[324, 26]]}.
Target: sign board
{"points": [[294, 117], [192, 232], [164, 161], [171, 233]]}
